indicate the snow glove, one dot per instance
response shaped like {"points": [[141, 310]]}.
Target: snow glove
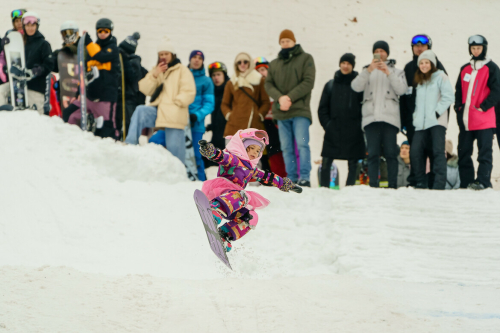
{"points": [[207, 149], [5, 41], [287, 185], [193, 118]]}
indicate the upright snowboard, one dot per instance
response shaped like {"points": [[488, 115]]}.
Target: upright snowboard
{"points": [[210, 226], [69, 80], [334, 176], [191, 168], [83, 88], [14, 55]]}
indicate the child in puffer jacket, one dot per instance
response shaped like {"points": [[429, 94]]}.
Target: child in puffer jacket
{"points": [[237, 167]]}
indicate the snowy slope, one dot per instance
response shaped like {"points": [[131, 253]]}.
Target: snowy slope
{"points": [[96, 236]]}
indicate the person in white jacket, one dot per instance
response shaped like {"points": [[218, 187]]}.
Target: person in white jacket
{"points": [[430, 119], [382, 85]]}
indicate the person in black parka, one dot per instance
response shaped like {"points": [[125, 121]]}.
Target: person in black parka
{"points": [[340, 115], [134, 72]]}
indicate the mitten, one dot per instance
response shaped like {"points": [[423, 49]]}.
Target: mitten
{"points": [[88, 39], [287, 185], [207, 149]]}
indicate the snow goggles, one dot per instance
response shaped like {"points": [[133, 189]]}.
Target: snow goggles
{"points": [[422, 39], [103, 30], [255, 134], [217, 65], [476, 40], [30, 20], [18, 13], [69, 36]]}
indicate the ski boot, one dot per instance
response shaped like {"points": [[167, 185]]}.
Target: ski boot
{"points": [[224, 235]]}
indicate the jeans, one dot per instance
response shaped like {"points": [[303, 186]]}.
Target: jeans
{"points": [[200, 165], [484, 156], [380, 134], [436, 136], [296, 129], [145, 117], [326, 167]]}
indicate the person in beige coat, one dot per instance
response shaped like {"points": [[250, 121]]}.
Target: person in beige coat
{"points": [[171, 87], [245, 101]]}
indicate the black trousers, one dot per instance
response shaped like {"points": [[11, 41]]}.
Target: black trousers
{"points": [[325, 172], [436, 138], [428, 153], [484, 156], [378, 135]]}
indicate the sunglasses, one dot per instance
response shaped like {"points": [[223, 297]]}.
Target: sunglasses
{"points": [[246, 62], [17, 13], [105, 31], [476, 39], [420, 39]]}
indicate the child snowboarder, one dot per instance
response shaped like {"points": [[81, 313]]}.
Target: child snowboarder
{"points": [[237, 167]]}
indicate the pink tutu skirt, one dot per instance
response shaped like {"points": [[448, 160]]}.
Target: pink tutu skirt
{"points": [[215, 187]]}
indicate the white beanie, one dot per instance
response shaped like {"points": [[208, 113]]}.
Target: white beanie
{"points": [[429, 55], [165, 46]]}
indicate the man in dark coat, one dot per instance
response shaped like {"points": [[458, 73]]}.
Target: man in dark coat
{"points": [[340, 115], [134, 72], [419, 44]]}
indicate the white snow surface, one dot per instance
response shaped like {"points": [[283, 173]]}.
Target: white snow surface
{"points": [[96, 236]]}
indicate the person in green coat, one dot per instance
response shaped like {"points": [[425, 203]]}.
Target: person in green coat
{"points": [[289, 82]]}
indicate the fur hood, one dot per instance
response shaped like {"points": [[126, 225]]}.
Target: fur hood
{"points": [[252, 79]]}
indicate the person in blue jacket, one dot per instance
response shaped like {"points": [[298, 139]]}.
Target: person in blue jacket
{"points": [[203, 105]]}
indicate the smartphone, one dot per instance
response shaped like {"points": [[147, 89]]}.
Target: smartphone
{"points": [[376, 56]]}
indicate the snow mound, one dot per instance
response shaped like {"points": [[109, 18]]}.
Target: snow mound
{"points": [[59, 149]]}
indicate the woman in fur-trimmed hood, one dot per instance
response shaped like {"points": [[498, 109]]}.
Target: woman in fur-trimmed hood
{"points": [[245, 101]]}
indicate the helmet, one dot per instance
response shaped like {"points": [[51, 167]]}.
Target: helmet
{"points": [[478, 40], [69, 32], [17, 13], [69, 25], [422, 39], [31, 17], [217, 67], [104, 23], [261, 62]]}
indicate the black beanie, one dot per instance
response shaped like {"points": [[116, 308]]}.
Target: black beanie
{"points": [[129, 45], [350, 58], [381, 45]]}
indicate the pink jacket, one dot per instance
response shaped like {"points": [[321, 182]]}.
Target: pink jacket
{"points": [[478, 87]]}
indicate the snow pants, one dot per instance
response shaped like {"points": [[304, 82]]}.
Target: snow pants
{"points": [[436, 135], [106, 110], [484, 156], [231, 206]]}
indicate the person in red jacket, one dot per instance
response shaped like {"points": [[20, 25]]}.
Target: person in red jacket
{"points": [[477, 93]]}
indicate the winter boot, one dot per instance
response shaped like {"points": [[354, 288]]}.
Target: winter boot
{"points": [[225, 236], [477, 186]]}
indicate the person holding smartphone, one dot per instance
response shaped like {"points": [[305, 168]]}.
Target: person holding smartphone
{"points": [[382, 84], [172, 89]]}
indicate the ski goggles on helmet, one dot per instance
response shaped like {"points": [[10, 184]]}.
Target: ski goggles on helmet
{"points": [[476, 40], [217, 66], [18, 13], [256, 135], [421, 39], [30, 20], [103, 30]]}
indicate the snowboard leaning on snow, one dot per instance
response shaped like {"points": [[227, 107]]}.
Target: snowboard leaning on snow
{"points": [[210, 226]]}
